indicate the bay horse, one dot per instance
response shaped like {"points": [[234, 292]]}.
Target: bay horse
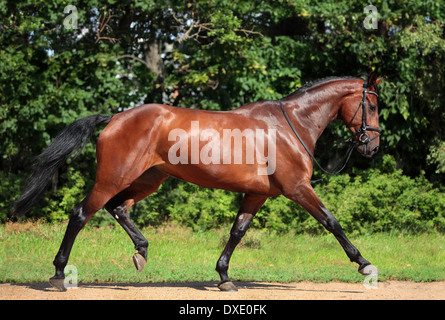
{"points": [[141, 147]]}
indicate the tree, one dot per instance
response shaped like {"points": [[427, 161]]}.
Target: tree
{"points": [[215, 55]]}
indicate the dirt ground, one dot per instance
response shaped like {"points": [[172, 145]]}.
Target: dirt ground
{"points": [[388, 290]]}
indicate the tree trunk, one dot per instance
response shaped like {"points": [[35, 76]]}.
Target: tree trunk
{"points": [[154, 62]]}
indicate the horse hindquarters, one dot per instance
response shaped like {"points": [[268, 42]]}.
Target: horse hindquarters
{"points": [[119, 163]]}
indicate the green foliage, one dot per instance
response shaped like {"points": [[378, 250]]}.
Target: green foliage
{"points": [[374, 200], [187, 204], [62, 201], [201, 208], [218, 55], [437, 156], [9, 188]]}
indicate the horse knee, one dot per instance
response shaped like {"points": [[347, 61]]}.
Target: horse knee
{"points": [[240, 227], [239, 231], [141, 244]]}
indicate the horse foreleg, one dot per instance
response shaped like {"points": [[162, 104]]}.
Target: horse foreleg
{"points": [[305, 196], [249, 207]]}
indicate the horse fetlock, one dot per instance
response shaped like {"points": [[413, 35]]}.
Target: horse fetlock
{"points": [[222, 267], [141, 245]]}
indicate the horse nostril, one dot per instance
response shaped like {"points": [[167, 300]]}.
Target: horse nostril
{"points": [[375, 150]]}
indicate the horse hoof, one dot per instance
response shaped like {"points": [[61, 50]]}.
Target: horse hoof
{"points": [[227, 286], [369, 270], [58, 283], [139, 262]]}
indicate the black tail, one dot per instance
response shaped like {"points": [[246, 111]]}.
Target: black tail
{"points": [[69, 141]]}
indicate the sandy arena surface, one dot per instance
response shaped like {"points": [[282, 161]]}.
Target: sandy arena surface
{"points": [[306, 290]]}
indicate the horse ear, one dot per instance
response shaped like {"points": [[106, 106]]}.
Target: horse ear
{"points": [[372, 78], [378, 81]]}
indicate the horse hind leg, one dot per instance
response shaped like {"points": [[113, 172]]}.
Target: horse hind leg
{"points": [[117, 170], [104, 189], [78, 219], [119, 206]]}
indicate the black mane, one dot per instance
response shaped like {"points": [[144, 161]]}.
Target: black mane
{"points": [[310, 84]]}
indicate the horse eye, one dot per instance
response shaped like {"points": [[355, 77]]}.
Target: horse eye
{"points": [[372, 107]]}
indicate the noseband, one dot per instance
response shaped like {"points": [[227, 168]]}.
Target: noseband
{"points": [[363, 137]]}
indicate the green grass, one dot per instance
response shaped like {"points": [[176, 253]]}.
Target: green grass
{"points": [[177, 254]]}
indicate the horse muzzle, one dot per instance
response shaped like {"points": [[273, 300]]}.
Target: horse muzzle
{"points": [[367, 147]]}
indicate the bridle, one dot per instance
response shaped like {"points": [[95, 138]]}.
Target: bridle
{"points": [[363, 138]]}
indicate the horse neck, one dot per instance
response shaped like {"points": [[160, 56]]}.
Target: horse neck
{"points": [[313, 109]]}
